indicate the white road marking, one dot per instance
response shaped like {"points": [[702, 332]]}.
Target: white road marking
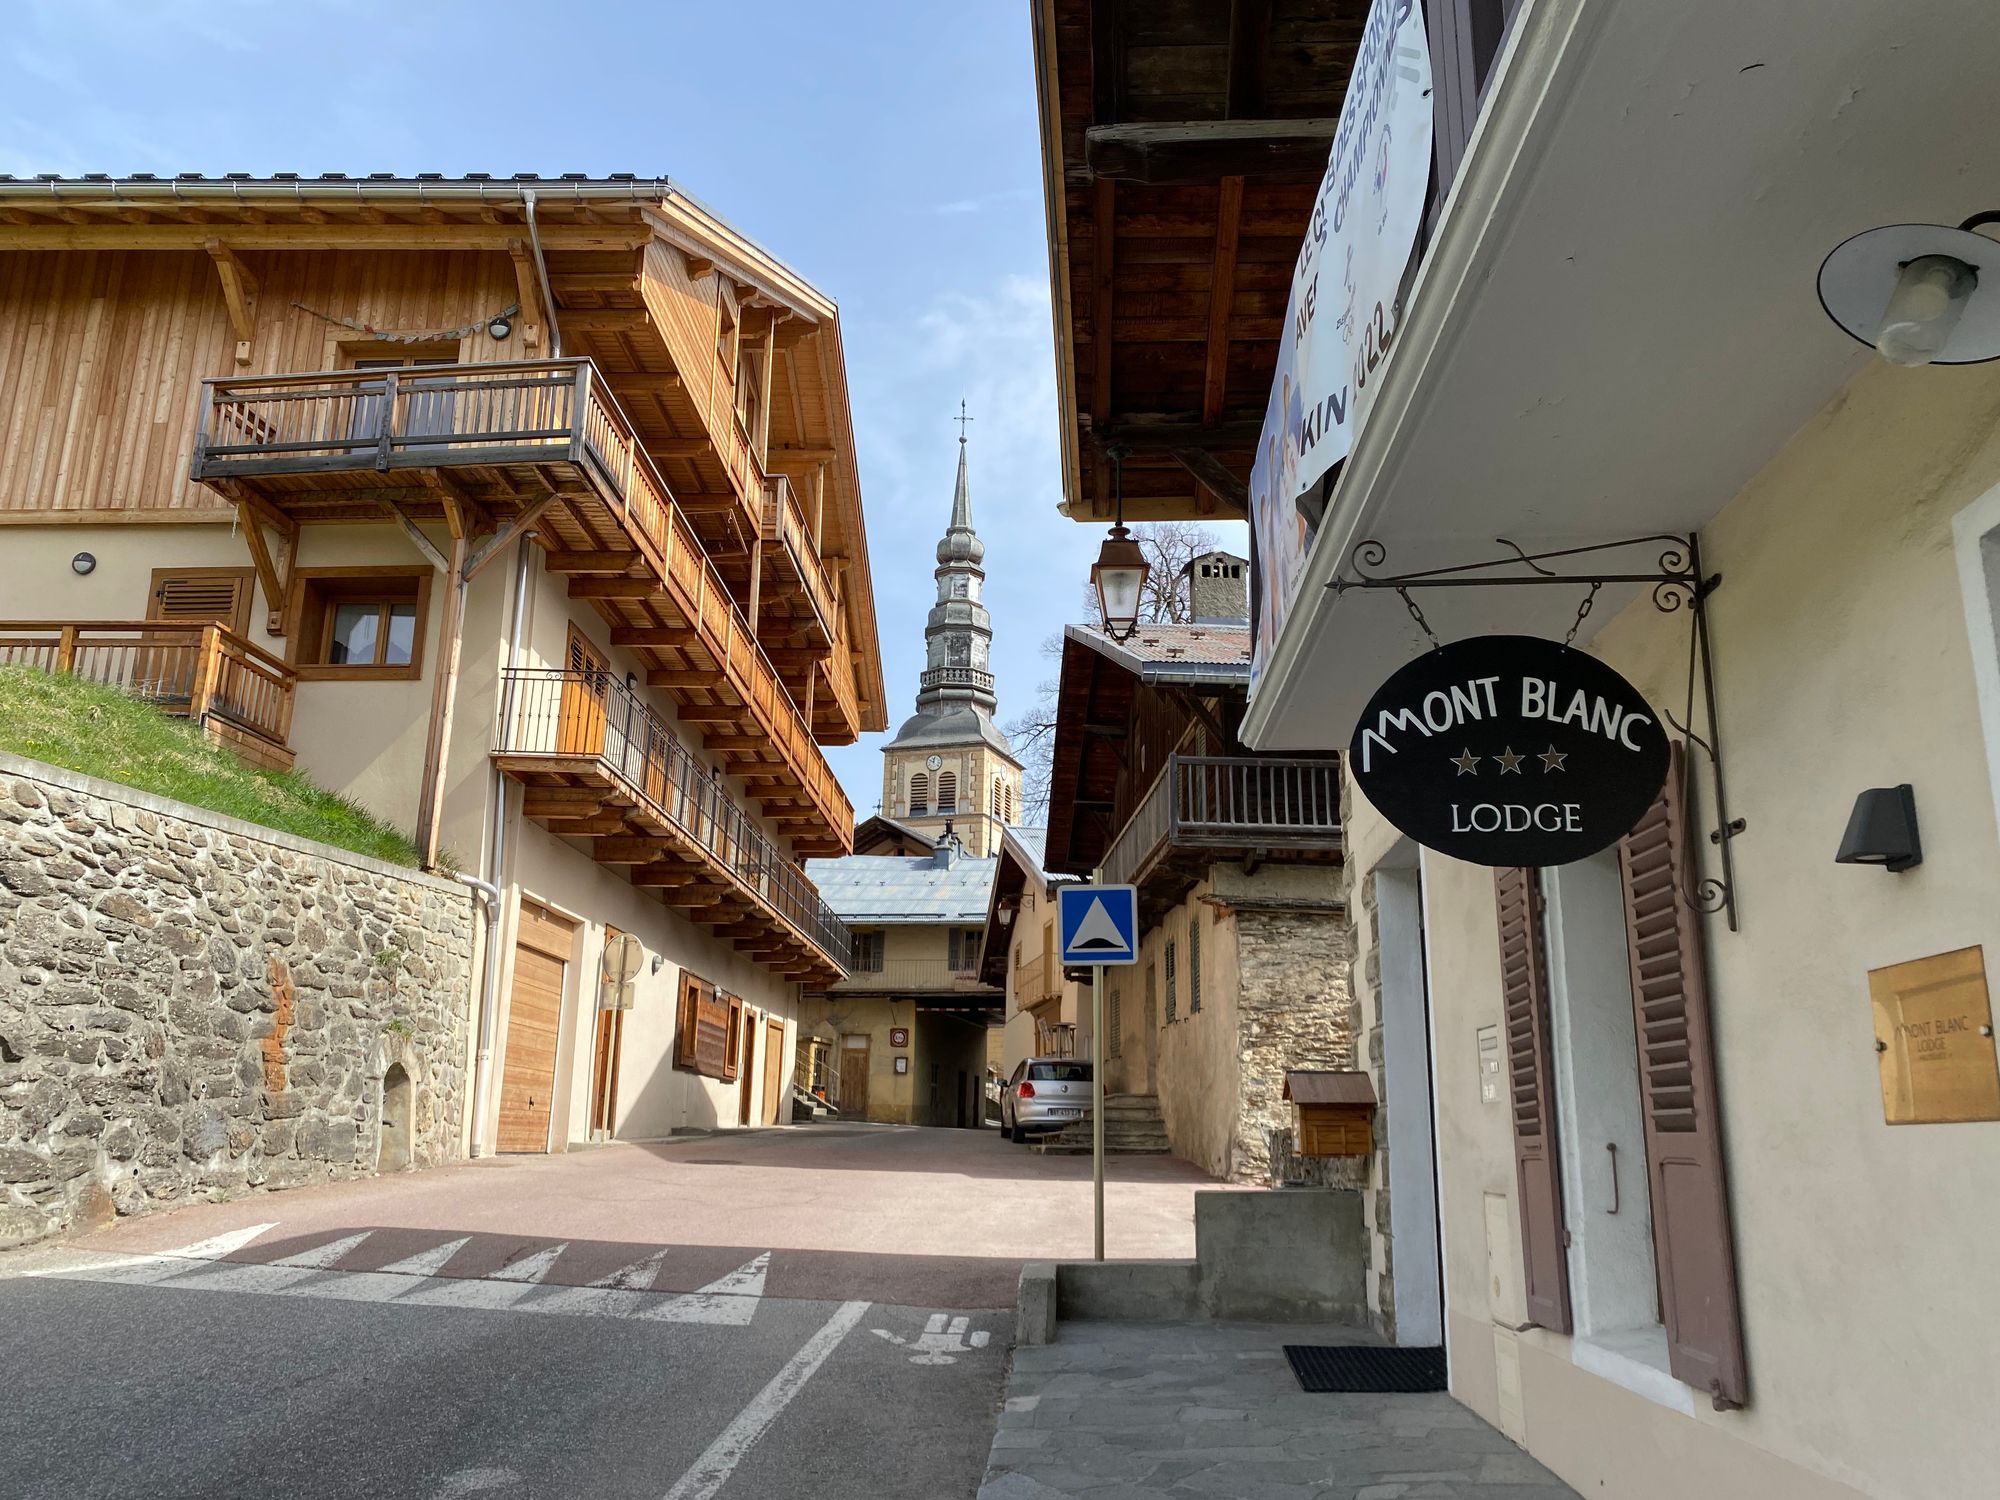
{"points": [[712, 1470], [624, 1291], [426, 1262], [534, 1267], [940, 1343], [153, 1265], [730, 1301], [273, 1276]]}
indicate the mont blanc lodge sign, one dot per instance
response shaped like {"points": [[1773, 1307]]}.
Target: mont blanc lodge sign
{"points": [[1510, 750]]}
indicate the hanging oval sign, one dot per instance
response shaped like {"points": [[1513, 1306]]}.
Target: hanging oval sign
{"points": [[1510, 750]]}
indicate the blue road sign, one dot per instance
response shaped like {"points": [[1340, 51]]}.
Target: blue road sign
{"points": [[1099, 924]]}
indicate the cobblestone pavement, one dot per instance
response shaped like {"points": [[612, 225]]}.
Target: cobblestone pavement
{"points": [[1134, 1411]]}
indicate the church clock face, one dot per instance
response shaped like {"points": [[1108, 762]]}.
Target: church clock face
{"points": [[935, 761]]}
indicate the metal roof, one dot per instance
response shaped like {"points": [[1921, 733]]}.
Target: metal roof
{"points": [[896, 888], [1307, 1086], [1175, 653]]}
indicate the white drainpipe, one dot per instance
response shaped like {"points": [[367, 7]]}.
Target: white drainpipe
{"points": [[496, 862]]}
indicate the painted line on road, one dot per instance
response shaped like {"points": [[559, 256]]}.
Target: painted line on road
{"points": [[712, 1470], [151, 1265]]}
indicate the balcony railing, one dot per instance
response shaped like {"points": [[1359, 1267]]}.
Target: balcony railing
{"points": [[1228, 803], [557, 714], [937, 975], [199, 671], [1036, 981], [970, 677], [485, 416], [785, 524]]}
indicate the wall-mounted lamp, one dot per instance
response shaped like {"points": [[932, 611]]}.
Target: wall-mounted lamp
{"points": [[659, 963], [1912, 291], [1882, 830], [83, 564], [500, 327]]}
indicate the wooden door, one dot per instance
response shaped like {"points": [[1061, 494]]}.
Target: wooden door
{"points": [[580, 727], [604, 1072], [775, 1091], [854, 1077], [746, 1072], [542, 946]]}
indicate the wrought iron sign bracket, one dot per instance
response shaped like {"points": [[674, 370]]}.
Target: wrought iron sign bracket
{"points": [[1676, 582]]}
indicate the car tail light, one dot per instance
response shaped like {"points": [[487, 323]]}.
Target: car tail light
{"points": [[1026, 1090]]}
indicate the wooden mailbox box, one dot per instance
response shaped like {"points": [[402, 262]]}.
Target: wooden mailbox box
{"points": [[1336, 1112]]}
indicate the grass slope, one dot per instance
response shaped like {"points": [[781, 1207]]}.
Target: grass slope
{"points": [[103, 732]]}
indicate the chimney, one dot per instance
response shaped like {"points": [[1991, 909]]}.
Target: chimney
{"points": [[947, 849], [1219, 589]]}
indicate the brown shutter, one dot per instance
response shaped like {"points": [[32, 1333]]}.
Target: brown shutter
{"points": [[733, 1037], [688, 1027], [1691, 1231], [1524, 993], [198, 595]]}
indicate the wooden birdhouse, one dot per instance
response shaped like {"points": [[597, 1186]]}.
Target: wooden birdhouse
{"points": [[1336, 1112]]}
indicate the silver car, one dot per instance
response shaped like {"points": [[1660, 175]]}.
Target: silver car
{"points": [[1044, 1094]]}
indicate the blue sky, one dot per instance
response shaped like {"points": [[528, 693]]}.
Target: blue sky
{"points": [[887, 150]]}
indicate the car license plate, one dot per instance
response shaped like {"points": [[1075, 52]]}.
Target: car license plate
{"points": [[1065, 1111]]}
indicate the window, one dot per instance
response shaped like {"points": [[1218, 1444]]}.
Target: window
{"points": [[1007, 816], [1194, 962], [1054, 1072], [195, 596], [709, 1029], [426, 413], [920, 794], [865, 949], [1173, 999], [964, 948], [359, 622], [996, 797], [947, 791]]}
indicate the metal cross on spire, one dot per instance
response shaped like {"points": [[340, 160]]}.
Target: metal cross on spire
{"points": [[962, 419]]}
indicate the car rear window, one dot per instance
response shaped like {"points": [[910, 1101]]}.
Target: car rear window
{"points": [[1059, 1072]]}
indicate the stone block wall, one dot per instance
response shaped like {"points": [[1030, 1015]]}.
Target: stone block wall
{"points": [[192, 1007]]}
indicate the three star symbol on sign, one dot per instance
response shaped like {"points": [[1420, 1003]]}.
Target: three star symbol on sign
{"points": [[1552, 760]]}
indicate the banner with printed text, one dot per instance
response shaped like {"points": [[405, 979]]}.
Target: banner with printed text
{"points": [[1341, 317]]}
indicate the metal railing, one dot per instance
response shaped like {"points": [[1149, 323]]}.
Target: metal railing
{"points": [[913, 974], [200, 671], [543, 411], [554, 712], [1204, 801], [1036, 981]]}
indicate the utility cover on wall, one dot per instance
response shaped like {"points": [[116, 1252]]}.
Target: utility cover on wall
{"points": [[1510, 750]]}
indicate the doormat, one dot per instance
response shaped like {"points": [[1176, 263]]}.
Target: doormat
{"points": [[1360, 1367]]}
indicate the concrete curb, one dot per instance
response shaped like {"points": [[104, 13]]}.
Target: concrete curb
{"points": [[1035, 1304]]}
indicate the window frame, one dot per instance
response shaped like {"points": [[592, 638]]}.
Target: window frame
{"points": [[317, 592]]}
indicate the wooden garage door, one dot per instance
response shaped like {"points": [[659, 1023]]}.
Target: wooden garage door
{"points": [[534, 1015]]}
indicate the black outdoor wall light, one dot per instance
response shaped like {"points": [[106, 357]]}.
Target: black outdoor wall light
{"points": [[1882, 830], [1912, 291]]}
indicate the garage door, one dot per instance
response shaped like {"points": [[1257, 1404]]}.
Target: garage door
{"points": [[543, 943]]}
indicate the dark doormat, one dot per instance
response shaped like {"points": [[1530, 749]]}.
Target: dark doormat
{"points": [[1359, 1367]]}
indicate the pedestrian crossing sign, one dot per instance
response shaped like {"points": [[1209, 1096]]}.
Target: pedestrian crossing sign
{"points": [[1099, 924]]}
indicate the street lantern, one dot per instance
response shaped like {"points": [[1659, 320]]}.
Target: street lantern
{"points": [[1912, 291], [1119, 574]]}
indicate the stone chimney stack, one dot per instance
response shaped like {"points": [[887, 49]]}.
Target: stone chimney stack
{"points": [[1219, 589]]}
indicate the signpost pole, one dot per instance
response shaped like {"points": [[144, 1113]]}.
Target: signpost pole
{"points": [[1097, 1101]]}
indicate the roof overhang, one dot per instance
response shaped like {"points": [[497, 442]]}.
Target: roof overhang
{"points": [[1214, 675], [1616, 326]]}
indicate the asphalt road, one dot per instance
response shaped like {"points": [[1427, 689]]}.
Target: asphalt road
{"points": [[810, 1313]]}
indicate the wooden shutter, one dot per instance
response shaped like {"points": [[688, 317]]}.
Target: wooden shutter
{"points": [[731, 1013], [198, 595], [688, 1027], [1524, 994], [1692, 1245]]}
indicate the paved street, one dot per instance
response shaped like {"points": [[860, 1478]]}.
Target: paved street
{"points": [[739, 1315]]}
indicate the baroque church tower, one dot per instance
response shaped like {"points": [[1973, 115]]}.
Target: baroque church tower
{"points": [[950, 766]]}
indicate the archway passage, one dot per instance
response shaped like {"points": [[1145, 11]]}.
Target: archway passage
{"points": [[399, 1107]]}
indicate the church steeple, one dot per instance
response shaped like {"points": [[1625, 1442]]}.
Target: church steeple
{"points": [[950, 761]]}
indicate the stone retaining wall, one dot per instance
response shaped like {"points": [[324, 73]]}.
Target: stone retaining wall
{"points": [[191, 1006]]}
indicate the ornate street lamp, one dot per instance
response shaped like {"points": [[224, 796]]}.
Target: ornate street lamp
{"points": [[1119, 574], [1911, 291]]}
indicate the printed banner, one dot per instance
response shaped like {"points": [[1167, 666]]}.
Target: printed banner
{"points": [[1341, 316]]}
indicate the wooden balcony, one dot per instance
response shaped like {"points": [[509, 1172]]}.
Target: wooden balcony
{"points": [[918, 976], [598, 765], [1036, 982], [795, 580], [238, 693], [542, 443], [1204, 808]]}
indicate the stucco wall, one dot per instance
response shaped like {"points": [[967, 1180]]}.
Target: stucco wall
{"points": [[891, 1095], [1864, 1252], [191, 1006]]}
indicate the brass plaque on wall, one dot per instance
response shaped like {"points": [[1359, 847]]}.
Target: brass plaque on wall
{"points": [[1934, 1034]]}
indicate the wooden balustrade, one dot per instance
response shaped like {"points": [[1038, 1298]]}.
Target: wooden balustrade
{"points": [[202, 672], [1228, 802]]}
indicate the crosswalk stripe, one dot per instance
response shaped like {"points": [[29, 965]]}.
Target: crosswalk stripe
{"points": [[154, 1265], [613, 1296], [730, 1300], [272, 1276], [426, 1262], [497, 1291]]}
